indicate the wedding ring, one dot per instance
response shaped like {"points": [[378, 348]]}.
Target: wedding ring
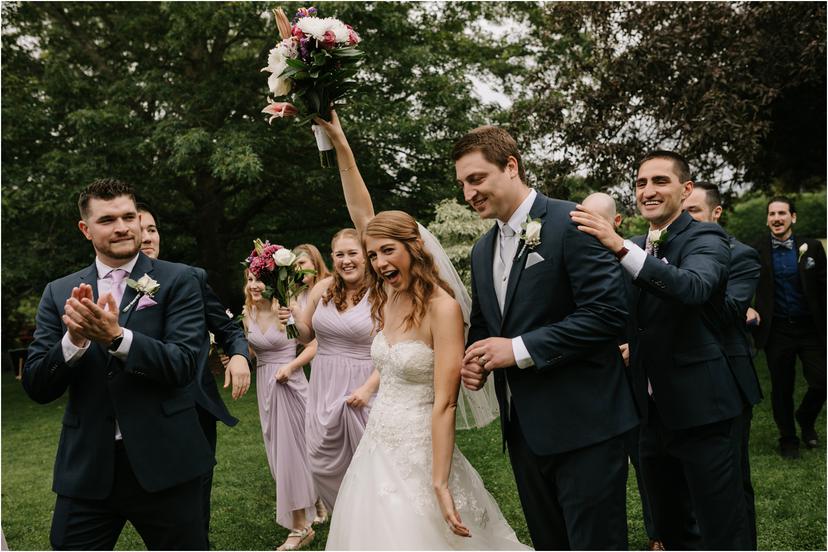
{"points": [[481, 360]]}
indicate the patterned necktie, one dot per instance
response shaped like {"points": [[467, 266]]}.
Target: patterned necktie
{"points": [[118, 277], [787, 244]]}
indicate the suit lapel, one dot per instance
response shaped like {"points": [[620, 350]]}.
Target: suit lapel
{"points": [[676, 227], [538, 211], [91, 277], [488, 297], [144, 265]]}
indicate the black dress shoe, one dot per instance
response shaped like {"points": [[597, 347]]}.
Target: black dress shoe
{"points": [[789, 450], [809, 434]]}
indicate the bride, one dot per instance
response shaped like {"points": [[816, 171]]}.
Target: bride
{"points": [[408, 486]]}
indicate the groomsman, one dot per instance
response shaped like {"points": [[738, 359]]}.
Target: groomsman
{"points": [[228, 335], [131, 448], [548, 304], [684, 387], [603, 205], [705, 205], [790, 301]]}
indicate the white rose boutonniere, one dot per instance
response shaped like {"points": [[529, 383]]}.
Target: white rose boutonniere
{"points": [[284, 257], [802, 250], [145, 286], [531, 234], [655, 238]]}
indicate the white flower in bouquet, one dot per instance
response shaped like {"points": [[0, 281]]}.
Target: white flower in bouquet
{"points": [[276, 64], [319, 27], [284, 257]]}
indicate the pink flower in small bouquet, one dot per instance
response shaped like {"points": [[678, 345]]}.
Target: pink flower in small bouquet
{"points": [[311, 68], [274, 265]]}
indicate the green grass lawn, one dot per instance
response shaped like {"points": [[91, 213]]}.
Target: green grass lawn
{"points": [[790, 495]]}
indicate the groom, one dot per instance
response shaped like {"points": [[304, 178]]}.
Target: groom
{"points": [[548, 304]]}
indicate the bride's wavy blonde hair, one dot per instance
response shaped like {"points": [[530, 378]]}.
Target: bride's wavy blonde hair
{"points": [[423, 278]]}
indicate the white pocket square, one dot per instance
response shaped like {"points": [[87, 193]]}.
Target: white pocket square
{"points": [[533, 259], [809, 263]]}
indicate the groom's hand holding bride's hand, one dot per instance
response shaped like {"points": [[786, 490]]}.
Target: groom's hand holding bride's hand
{"points": [[484, 356]]}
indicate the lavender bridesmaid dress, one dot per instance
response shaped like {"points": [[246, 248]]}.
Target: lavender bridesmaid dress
{"points": [[282, 413], [341, 365]]}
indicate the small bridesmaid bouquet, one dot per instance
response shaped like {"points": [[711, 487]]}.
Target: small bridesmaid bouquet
{"points": [[274, 266], [310, 69]]}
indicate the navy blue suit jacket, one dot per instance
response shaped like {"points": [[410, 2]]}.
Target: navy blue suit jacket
{"points": [[148, 394], [569, 309], [679, 311], [229, 336]]}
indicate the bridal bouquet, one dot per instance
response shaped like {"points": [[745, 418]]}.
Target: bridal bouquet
{"points": [[274, 266], [310, 69]]}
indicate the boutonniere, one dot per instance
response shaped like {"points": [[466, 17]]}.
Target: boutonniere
{"points": [[145, 286], [655, 238], [802, 250], [530, 235]]}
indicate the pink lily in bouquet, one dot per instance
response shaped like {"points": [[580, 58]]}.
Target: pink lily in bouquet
{"points": [[310, 69]]}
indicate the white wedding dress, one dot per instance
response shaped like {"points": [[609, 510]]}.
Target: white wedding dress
{"points": [[386, 500]]}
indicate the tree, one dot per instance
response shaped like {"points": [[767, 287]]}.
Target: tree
{"points": [[168, 97], [738, 87]]}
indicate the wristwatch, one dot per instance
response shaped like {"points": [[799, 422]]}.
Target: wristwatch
{"points": [[621, 252], [113, 346]]}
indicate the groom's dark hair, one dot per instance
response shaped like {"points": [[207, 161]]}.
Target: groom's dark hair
{"points": [[496, 145], [103, 188]]}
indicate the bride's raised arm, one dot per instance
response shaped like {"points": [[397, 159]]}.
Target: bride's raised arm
{"points": [[357, 198]]}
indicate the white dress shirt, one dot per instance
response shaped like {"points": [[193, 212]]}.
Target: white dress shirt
{"points": [[501, 272]]}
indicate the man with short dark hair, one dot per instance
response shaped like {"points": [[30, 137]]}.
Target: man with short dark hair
{"points": [[790, 300], [684, 388], [705, 205], [547, 306], [122, 336], [228, 335]]}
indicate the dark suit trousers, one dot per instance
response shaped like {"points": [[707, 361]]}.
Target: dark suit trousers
{"points": [[575, 500], [743, 431], [699, 468], [631, 442], [166, 520], [788, 339], [208, 425]]}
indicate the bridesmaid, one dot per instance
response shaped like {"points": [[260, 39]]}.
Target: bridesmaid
{"points": [[282, 392], [309, 257], [343, 381]]}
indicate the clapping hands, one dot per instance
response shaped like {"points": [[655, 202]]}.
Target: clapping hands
{"points": [[87, 320]]}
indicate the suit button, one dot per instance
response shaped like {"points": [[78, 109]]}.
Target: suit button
{"points": [[110, 374], [640, 330]]}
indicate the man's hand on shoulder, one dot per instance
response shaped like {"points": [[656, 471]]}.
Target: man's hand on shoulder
{"points": [[598, 227]]}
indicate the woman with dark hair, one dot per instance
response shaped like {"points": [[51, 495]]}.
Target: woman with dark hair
{"points": [[343, 381], [425, 493], [282, 395]]}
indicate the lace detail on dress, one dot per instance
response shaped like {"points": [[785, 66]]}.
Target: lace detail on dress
{"points": [[400, 423]]}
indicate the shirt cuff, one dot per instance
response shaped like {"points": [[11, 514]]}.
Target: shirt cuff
{"points": [[522, 357], [71, 352], [634, 260], [123, 349]]}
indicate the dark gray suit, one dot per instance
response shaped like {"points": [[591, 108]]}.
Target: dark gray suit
{"points": [[154, 473], [569, 412]]}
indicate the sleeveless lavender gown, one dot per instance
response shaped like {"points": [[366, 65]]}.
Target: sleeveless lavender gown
{"points": [[341, 365], [282, 413]]}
